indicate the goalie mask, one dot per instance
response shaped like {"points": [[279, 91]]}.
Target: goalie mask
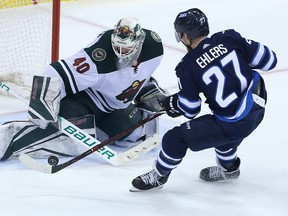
{"points": [[127, 40]]}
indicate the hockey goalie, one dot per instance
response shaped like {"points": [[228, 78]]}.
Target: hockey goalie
{"points": [[103, 89]]}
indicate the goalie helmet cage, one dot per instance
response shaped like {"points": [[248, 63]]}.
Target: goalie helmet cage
{"points": [[29, 40]]}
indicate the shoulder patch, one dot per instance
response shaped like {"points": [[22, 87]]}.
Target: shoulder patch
{"points": [[99, 54], [155, 36]]}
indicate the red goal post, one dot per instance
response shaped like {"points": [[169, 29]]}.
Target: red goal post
{"points": [[29, 40]]}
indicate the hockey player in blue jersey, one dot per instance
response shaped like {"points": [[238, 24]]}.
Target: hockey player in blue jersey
{"points": [[222, 68]]}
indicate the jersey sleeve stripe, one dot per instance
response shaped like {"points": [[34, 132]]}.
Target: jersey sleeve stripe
{"points": [[189, 104], [70, 76], [270, 62], [260, 53], [60, 70], [189, 109]]}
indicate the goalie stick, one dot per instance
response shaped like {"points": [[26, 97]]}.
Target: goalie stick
{"points": [[106, 153], [121, 157]]}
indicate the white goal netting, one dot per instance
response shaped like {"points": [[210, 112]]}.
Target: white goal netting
{"points": [[25, 41]]}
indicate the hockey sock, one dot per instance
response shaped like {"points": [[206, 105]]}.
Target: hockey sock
{"points": [[165, 164], [226, 157]]}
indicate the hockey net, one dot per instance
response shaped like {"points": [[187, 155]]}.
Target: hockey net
{"points": [[25, 41]]}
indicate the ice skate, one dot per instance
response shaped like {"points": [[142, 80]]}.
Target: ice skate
{"points": [[217, 173], [148, 181]]}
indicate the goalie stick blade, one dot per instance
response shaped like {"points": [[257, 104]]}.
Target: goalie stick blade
{"points": [[30, 163], [137, 151], [123, 157]]}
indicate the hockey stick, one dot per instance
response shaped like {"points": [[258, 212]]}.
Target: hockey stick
{"points": [[85, 139], [122, 158]]}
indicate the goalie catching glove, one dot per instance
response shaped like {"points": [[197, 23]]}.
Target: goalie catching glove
{"points": [[44, 101], [149, 96]]}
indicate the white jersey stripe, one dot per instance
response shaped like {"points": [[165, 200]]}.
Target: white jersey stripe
{"points": [[270, 62], [68, 76], [97, 99], [259, 55]]}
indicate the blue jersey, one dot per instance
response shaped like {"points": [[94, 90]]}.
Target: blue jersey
{"points": [[222, 68]]}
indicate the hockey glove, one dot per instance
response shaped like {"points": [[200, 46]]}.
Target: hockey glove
{"points": [[149, 97], [170, 105]]}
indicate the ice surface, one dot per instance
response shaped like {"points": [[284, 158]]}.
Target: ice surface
{"points": [[93, 187]]}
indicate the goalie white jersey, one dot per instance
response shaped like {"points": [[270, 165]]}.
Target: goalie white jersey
{"points": [[94, 70]]}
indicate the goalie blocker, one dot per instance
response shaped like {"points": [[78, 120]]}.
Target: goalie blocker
{"points": [[44, 100]]}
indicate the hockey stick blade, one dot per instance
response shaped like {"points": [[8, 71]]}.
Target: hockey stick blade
{"points": [[30, 163], [124, 157], [138, 150]]}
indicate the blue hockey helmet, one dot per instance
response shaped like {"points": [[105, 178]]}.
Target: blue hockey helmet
{"points": [[193, 22]]}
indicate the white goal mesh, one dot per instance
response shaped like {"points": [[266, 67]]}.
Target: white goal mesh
{"points": [[25, 40]]}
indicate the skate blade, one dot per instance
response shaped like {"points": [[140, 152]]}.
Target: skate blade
{"points": [[133, 189]]}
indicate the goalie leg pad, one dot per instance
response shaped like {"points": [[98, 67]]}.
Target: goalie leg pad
{"points": [[18, 135], [26, 137], [140, 134]]}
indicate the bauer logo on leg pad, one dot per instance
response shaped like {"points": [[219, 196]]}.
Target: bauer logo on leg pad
{"points": [[5, 87]]}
